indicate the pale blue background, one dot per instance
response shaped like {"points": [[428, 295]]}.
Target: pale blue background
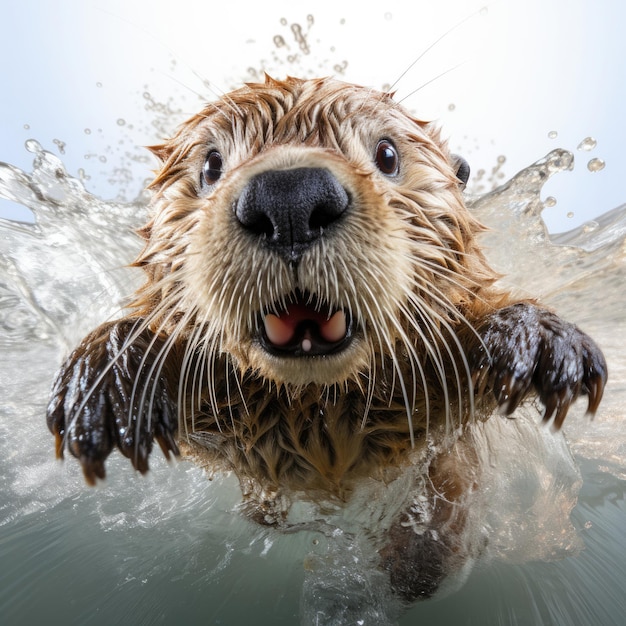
{"points": [[524, 69]]}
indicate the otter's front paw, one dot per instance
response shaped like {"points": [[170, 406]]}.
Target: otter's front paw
{"points": [[111, 392], [525, 347]]}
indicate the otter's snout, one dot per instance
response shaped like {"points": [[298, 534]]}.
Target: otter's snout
{"points": [[291, 208]]}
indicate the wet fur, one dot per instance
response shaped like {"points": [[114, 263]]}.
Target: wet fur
{"points": [[436, 345]]}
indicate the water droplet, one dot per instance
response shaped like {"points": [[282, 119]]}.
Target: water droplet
{"points": [[121, 122], [451, 106], [570, 214], [33, 146], [279, 41], [595, 165], [310, 20], [98, 85], [587, 144], [87, 131], [553, 134], [550, 201], [26, 126], [283, 21], [60, 145], [501, 159], [102, 159]]}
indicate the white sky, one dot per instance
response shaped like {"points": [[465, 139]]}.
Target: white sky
{"points": [[523, 69]]}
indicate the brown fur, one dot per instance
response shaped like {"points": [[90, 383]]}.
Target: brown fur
{"points": [[421, 230], [434, 345]]}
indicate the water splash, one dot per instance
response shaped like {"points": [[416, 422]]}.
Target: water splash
{"points": [[74, 255], [75, 241]]}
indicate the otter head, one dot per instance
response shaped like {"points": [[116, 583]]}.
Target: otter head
{"points": [[310, 230]]}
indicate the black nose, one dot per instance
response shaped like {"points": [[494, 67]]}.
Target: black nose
{"points": [[291, 208]]}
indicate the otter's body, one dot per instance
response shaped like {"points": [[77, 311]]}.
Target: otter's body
{"points": [[317, 309]]}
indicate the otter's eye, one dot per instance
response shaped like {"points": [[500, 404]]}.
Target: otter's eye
{"points": [[212, 168], [387, 159]]}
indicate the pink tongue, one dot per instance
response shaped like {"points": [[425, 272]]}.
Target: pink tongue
{"points": [[281, 329]]}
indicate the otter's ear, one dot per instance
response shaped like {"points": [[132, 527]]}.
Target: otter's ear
{"points": [[161, 151], [462, 168]]}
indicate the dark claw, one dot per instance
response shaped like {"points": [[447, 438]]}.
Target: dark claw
{"points": [[111, 393], [527, 348]]}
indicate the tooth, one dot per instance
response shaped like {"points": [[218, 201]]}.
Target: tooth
{"points": [[276, 330], [306, 345], [335, 328]]}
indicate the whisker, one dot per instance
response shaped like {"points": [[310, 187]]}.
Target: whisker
{"points": [[432, 80], [428, 48]]}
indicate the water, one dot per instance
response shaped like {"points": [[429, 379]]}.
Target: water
{"points": [[171, 547]]}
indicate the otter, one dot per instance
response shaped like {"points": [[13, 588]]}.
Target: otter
{"points": [[318, 313]]}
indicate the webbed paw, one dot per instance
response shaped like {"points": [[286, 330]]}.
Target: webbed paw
{"points": [[526, 348], [109, 393]]}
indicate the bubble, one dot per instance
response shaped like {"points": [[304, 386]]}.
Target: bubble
{"points": [[279, 41], [587, 144], [310, 20], [283, 21], [549, 202], [595, 165], [570, 214], [121, 122], [451, 106], [26, 126], [99, 85], [87, 131], [553, 134], [501, 159]]}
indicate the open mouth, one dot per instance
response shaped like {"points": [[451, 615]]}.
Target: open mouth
{"points": [[306, 328]]}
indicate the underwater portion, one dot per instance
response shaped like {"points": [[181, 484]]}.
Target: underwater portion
{"points": [[172, 547]]}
